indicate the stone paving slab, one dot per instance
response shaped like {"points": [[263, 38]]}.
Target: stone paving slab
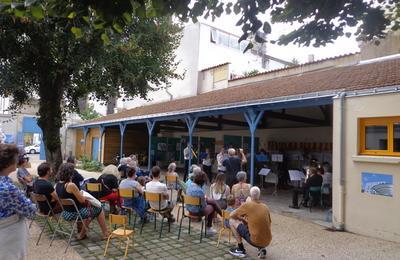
{"points": [[148, 245]]}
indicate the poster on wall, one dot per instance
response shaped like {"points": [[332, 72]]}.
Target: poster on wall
{"points": [[377, 184]]}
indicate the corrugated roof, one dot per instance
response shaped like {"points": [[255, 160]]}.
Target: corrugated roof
{"points": [[357, 77]]}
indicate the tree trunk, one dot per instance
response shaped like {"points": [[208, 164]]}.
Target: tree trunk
{"points": [[51, 117]]}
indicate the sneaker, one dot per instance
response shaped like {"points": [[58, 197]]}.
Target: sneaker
{"points": [[262, 253], [211, 232], [294, 207], [237, 252], [171, 220]]}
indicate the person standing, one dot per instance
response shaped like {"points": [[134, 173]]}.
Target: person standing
{"points": [[187, 155], [221, 156], [14, 208], [207, 164], [251, 222], [233, 165]]}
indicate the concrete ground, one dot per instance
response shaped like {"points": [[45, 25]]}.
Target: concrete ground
{"points": [[293, 238]]}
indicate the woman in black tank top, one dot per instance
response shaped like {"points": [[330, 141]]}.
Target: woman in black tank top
{"points": [[66, 189]]}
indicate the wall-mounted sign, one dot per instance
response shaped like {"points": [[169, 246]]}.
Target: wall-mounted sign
{"points": [[377, 184]]}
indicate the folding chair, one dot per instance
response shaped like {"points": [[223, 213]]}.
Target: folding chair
{"points": [[95, 189], [73, 222], [193, 201], [37, 198], [225, 216], [119, 233], [157, 198], [128, 194]]}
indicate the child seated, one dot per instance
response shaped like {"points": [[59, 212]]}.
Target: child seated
{"points": [[230, 201]]}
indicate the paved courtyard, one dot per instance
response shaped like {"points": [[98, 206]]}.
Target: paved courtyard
{"points": [[292, 239]]}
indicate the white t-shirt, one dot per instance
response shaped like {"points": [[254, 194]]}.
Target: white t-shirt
{"points": [[157, 187], [186, 153], [327, 178], [220, 159]]}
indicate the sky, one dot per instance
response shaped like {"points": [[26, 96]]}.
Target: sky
{"points": [[341, 46]]}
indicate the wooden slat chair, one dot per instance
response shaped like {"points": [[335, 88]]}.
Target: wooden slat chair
{"points": [[73, 222], [172, 184], [128, 194], [193, 201], [156, 198], [119, 233], [225, 216], [95, 189], [37, 198]]}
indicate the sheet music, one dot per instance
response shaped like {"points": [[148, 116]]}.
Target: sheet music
{"points": [[296, 175], [264, 171]]}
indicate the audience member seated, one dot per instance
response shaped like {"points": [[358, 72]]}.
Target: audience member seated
{"points": [[66, 189], [327, 177], [251, 222], [231, 202], [241, 190], [313, 180], [138, 203], [208, 206], [219, 191], [123, 167], [23, 175], [77, 178], [155, 186], [111, 169], [109, 187], [42, 186]]}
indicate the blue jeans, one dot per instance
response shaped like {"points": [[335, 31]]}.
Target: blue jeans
{"points": [[138, 204]]}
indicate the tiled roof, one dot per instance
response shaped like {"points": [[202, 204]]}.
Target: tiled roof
{"points": [[356, 77], [216, 66]]}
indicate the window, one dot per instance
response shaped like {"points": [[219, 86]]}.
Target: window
{"points": [[213, 36], [234, 42], [223, 39], [380, 136]]}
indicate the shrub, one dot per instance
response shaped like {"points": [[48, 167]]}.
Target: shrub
{"points": [[90, 165]]}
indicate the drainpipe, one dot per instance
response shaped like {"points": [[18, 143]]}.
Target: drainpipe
{"points": [[169, 94], [340, 221]]}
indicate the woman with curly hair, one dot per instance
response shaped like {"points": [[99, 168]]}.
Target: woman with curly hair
{"points": [[14, 208], [66, 189]]}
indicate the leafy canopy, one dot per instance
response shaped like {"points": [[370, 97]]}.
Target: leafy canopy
{"points": [[322, 21], [40, 57]]}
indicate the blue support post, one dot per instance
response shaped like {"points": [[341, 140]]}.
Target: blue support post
{"points": [[252, 118], [191, 124], [122, 127], [102, 129], [150, 128], [85, 133]]}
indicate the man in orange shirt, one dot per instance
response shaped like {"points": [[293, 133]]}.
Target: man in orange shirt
{"points": [[251, 222]]}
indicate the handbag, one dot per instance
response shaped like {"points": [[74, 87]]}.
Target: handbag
{"points": [[92, 200]]}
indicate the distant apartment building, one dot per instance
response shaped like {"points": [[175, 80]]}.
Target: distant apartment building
{"points": [[203, 46]]}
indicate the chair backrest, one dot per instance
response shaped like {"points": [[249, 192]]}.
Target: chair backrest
{"points": [[189, 200], [69, 202], [117, 219], [126, 193], [171, 179], [38, 197], [225, 215], [153, 197], [93, 187]]}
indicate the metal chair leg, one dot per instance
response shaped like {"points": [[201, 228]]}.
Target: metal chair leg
{"points": [[180, 228], [70, 235], [155, 221], [134, 220], [162, 224], [55, 230], [201, 232]]}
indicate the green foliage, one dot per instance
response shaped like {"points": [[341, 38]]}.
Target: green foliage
{"points": [[89, 113], [251, 73], [321, 20], [90, 165], [60, 60]]}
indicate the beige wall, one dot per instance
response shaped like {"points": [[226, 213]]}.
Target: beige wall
{"points": [[371, 215]]}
